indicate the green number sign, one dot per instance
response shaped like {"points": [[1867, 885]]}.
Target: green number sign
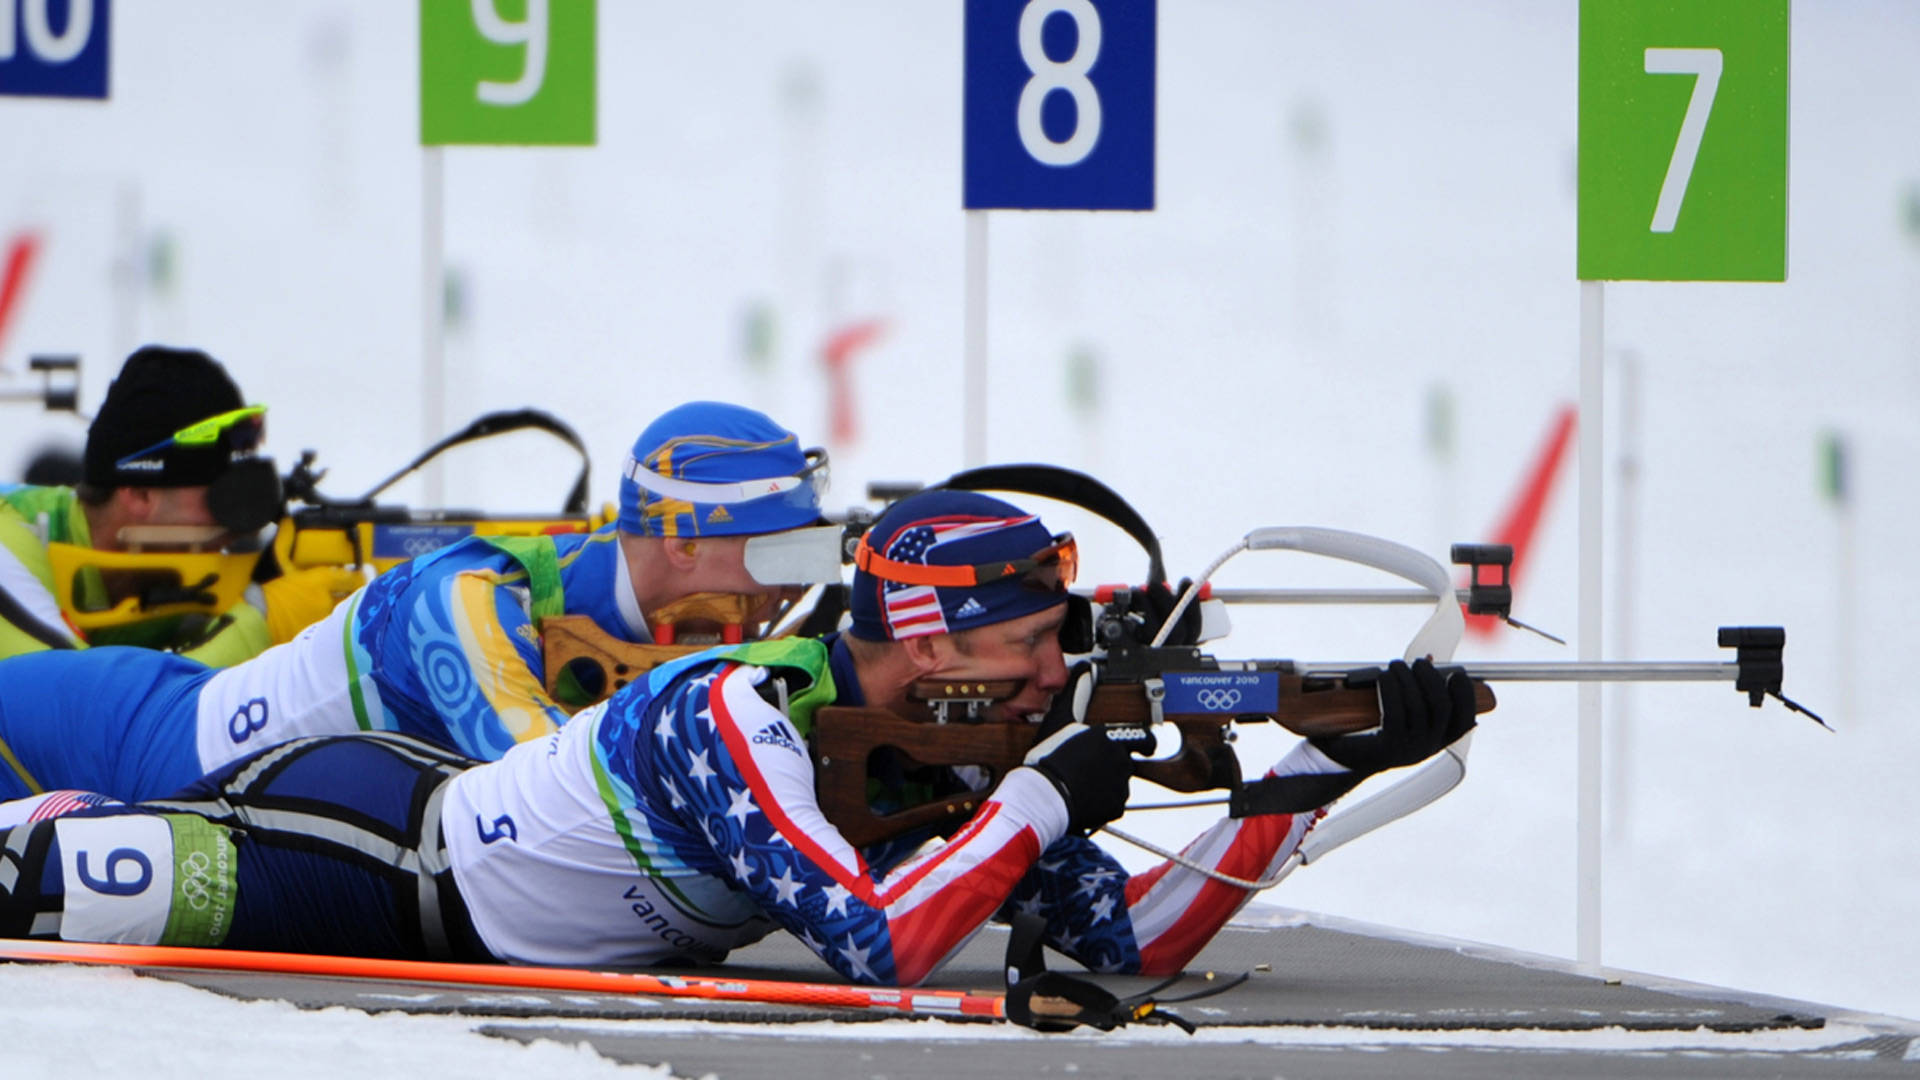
{"points": [[1683, 140], [507, 71]]}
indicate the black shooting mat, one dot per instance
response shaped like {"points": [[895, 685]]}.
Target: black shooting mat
{"points": [[1317, 977], [1337, 1003]]}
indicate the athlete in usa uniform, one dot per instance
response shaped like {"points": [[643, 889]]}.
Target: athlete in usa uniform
{"points": [[678, 821]]}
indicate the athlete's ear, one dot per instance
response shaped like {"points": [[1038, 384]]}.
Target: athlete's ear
{"points": [[137, 504], [682, 554], [926, 652]]}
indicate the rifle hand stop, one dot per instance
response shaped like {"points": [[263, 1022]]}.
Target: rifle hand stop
{"points": [[1493, 598], [1759, 666]]}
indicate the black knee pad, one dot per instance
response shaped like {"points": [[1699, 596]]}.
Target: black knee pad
{"points": [[23, 863]]}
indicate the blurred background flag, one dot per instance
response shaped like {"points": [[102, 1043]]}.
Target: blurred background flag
{"points": [[837, 355], [1522, 520], [1833, 468], [21, 251]]}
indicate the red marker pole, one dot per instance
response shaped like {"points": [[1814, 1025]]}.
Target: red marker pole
{"points": [[13, 281]]}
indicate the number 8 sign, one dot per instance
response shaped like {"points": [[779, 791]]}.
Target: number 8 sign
{"points": [[1059, 104], [1683, 140]]}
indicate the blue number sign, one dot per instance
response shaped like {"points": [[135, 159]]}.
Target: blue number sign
{"points": [[1059, 104], [54, 48]]}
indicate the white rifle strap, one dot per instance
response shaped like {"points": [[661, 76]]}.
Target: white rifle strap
{"points": [[1437, 638]]}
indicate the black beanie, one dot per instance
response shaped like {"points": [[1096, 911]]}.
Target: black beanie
{"points": [[158, 392]]}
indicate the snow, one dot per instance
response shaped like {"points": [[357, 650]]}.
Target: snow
{"points": [[67, 1021], [1267, 340]]}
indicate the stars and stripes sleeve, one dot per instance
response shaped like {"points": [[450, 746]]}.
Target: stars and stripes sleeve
{"points": [[737, 775]]}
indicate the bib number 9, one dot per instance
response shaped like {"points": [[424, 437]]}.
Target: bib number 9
{"points": [[113, 884]]}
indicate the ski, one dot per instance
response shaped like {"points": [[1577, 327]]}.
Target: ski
{"points": [[901, 1000]]}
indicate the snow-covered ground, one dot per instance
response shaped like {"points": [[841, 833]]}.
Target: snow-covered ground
{"points": [[68, 1021], [1357, 203]]}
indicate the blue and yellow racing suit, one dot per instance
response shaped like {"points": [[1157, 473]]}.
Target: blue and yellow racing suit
{"points": [[445, 647]]}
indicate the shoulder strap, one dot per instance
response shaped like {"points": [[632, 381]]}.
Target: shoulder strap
{"points": [[541, 560], [803, 655]]}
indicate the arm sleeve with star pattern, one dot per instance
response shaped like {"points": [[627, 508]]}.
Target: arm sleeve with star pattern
{"points": [[740, 786]]}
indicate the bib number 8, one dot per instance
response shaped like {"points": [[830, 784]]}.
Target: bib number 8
{"points": [[1069, 75]]}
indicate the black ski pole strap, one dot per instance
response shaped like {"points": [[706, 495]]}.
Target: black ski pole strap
{"points": [[1054, 1001], [1289, 794]]}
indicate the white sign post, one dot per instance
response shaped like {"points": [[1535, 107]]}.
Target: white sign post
{"points": [[1683, 177], [1059, 116]]}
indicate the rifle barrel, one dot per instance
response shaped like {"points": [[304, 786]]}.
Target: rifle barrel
{"points": [[1588, 671], [1330, 596]]}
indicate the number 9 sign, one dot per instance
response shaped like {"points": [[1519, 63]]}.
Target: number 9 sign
{"points": [[1059, 100], [507, 72]]}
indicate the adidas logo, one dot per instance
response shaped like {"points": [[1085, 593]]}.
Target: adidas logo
{"points": [[719, 514], [775, 734], [972, 608]]}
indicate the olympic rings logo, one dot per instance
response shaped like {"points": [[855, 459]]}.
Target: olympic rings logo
{"points": [[1217, 700], [247, 719], [420, 545], [195, 881]]}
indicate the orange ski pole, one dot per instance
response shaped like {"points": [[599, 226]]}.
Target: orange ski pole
{"points": [[904, 1000]]}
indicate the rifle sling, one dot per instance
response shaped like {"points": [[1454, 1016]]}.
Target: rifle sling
{"points": [[1289, 794]]}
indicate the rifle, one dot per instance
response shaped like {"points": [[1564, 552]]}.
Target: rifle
{"points": [[321, 531], [1145, 683]]}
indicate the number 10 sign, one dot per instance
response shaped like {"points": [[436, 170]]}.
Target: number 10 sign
{"points": [[1683, 140]]}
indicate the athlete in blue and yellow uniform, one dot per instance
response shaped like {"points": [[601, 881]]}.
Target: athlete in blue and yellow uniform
{"points": [[714, 499]]}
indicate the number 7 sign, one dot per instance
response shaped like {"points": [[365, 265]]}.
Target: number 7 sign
{"points": [[1683, 140]]}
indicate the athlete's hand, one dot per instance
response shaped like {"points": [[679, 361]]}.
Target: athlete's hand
{"points": [[1090, 770], [1422, 710]]}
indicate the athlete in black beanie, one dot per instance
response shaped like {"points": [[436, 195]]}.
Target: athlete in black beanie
{"points": [[158, 392], [170, 466]]}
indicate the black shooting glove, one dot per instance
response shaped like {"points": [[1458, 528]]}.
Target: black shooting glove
{"points": [[1422, 710], [1090, 770]]}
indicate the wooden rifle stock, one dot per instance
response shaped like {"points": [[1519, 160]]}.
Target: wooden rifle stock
{"points": [[845, 739], [940, 726], [566, 640]]}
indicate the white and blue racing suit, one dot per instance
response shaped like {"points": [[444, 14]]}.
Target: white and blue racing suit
{"points": [[443, 647], [671, 824]]}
